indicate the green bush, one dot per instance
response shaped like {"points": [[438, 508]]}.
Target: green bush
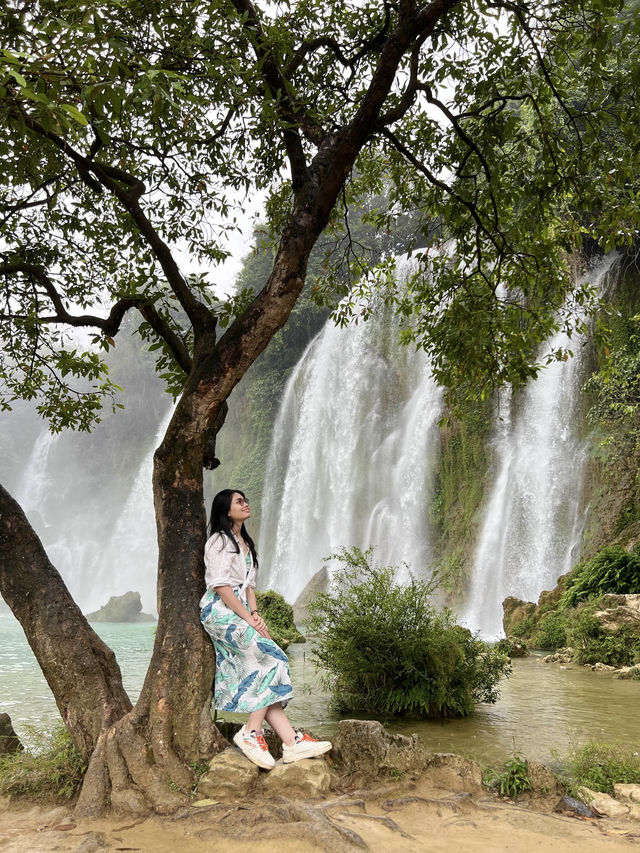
{"points": [[52, 769], [386, 650], [600, 766], [513, 780], [592, 644], [612, 570], [279, 618], [550, 632]]}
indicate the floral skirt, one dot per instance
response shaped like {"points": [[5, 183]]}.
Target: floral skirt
{"points": [[251, 671]]}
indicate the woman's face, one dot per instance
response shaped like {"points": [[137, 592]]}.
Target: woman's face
{"points": [[239, 510]]}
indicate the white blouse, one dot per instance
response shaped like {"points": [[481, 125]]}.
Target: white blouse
{"points": [[224, 567]]}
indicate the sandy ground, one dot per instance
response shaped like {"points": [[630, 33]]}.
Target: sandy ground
{"points": [[400, 818]]}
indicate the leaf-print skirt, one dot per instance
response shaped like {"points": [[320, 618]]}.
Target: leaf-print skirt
{"points": [[251, 671]]}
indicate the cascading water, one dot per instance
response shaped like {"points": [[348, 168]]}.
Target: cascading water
{"points": [[352, 456], [532, 526]]}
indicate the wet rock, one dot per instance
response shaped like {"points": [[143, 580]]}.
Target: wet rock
{"points": [[627, 793], [310, 778], [230, 776], [561, 656], [602, 803], [364, 747], [9, 741], [571, 806], [515, 611], [455, 773], [601, 667], [628, 672]]}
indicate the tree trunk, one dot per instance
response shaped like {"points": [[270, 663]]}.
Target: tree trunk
{"points": [[80, 669]]}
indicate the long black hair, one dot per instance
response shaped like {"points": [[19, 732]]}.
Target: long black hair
{"points": [[221, 523]]}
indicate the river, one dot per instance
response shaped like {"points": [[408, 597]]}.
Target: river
{"points": [[543, 710]]}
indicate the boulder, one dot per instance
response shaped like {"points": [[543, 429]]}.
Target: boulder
{"points": [[628, 672], [603, 803], [365, 748], [515, 611], [318, 583], [561, 656], [229, 777], [454, 773], [9, 741], [619, 611], [550, 597], [310, 778], [122, 608], [627, 793]]}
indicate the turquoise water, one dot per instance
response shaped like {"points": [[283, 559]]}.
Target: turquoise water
{"points": [[543, 709]]}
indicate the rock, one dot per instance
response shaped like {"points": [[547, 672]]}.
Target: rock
{"points": [[229, 777], [454, 773], [601, 667], [310, 778], [279, 618], [626, 793], [515, 611], [571, 806], [121, 608], [513, 647], [628, 672], [543, 780], [603, 803], [619, 610], [561, 656], [9, 741], [365, 747], [550, 597], [318, 583]]}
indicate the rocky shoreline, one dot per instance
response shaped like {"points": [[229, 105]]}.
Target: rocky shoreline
{"points": [[376, 791]]}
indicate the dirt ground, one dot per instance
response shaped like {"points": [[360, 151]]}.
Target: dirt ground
{"points": [[395, 818]]}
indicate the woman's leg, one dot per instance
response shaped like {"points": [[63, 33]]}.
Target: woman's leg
{"points": [[256, 718], [279, 722]]}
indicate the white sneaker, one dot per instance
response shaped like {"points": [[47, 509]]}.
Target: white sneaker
{"points": [[304, 747], [254, 746]]}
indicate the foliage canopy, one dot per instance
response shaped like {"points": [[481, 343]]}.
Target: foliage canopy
{"points": [[132, 132]]}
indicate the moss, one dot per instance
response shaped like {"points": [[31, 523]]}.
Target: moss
{"points": [[279, 618], [459, 490]]}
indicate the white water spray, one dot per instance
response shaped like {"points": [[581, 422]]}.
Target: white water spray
{"points": [[531, 526], [352, 456]]}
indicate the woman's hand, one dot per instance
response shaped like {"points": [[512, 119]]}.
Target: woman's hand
{"points": [[256, 621]]}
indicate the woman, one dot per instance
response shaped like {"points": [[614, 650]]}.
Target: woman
{"points": [[252, 672]]}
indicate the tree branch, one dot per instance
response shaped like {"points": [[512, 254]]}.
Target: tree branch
{"points": [[109, 325], [110, 178]]}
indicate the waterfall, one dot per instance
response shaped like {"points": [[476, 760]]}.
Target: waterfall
{"points": [[532, 526], [130, 558], [352, 455]]}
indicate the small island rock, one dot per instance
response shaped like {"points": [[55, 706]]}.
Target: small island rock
{"points": [[122, 608]]}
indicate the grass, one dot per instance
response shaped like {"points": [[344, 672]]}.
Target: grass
{"points": [[513, 780], [51, 769], [599, 766]]}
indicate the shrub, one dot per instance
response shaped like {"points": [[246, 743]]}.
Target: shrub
{"points": [[612, 570], [600, 766], [550, 632], [593, 644], [386, 650], [279, 618], [52, 769], [513, 780]]}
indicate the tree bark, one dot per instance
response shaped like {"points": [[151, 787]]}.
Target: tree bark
{"points": [[80, 669]]}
